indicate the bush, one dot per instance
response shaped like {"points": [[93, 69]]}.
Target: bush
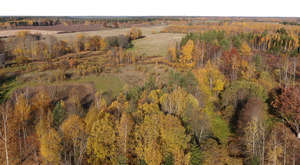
{"points": [[118, 41], [135, 33]]}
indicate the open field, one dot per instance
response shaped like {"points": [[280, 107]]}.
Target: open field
{"points": [[6, 33], [86, 31], [155, 44], [111, 32]]}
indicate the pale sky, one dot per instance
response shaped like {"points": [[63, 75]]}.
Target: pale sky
{"points": [[282, 8]]}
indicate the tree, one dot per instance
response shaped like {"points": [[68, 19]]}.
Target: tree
{"points": [[101, 144], [41, 103], [196, 155], [217, 154], [172, 54], [103, 44], [186, 57], [173, 135], [125, 128], [160, 135], [135, 33], [50, 146], [200, 125], [198, 54], [231, 60], [147, 137], [73, 129], [252, 128], [275, 149], [79, 43], [286, 104], [245, 49], [179, 103], [22, 115], [59, 113], [50, 140], [4, 132], [211, 80]]}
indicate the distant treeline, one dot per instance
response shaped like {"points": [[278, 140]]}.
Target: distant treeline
{"points": [[52, 21]]}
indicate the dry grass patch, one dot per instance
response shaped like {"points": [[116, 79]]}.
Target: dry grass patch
{"points": [[155, 44]]}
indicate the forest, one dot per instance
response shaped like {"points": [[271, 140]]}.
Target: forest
{"points": [[150, 91]]}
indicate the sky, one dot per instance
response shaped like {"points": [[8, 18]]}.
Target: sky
{"points": [[270, 8]]}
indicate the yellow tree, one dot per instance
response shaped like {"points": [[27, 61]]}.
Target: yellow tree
{"points": [[22, 109], [124, 131], [175, 139], [135, 33], [186, 57], [41, 103], [178, 102], [21, 114], [101, 144], [73, 129], [147, 137], [103, 44], [160, 135], [50, 141], [275, 149], [247, 70], [245, 49], [90, 118], [211, 80], [50, 146]]}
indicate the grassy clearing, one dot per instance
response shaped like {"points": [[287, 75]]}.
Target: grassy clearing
{"points": [[104, 83], [155, 44]]}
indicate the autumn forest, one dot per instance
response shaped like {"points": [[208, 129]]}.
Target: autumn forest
{"points": [[149, 90]]}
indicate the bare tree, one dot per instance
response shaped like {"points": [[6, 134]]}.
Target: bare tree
{"points": [[4, 110]]}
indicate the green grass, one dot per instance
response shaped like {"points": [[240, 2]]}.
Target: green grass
{"points": [[7, 87], [104, 83]]}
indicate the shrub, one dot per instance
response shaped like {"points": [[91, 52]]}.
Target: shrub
{"points": [[135, 33], [118, 41], [21, 59]]}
